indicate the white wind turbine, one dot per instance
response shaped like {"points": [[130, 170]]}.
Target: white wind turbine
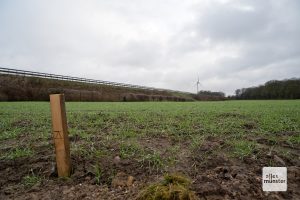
{"points": [[198, 83]]}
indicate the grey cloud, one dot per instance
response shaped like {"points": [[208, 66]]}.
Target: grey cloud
{"points": [[137, 54], [233, 22]]}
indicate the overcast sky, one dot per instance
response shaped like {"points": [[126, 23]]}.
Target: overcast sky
{"points": [[158, 43]]}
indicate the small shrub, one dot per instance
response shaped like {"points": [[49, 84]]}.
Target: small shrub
{"points": [[243, 148], [18, 153], [153, 160], [294, 140], [129, 150], [31, 180], [98, 173], [173, 186]]}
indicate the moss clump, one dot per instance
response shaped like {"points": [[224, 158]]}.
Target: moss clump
{"points": [[173, 187]]}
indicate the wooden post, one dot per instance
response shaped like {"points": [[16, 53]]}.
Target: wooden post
{"points": [[60, 134]]}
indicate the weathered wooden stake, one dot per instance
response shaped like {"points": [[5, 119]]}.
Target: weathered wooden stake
{"points": [[60, 134]]}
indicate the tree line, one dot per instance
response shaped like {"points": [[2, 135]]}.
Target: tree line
{"points": [[210, 93], [274, 89], [205, 95]]}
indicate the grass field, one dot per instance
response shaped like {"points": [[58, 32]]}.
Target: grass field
{"points": [[220, 146]]}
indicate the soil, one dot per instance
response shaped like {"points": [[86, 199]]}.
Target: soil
{"points": [[214, 173]]}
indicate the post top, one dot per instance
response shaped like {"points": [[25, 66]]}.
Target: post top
{"points": [[59, 94]]}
